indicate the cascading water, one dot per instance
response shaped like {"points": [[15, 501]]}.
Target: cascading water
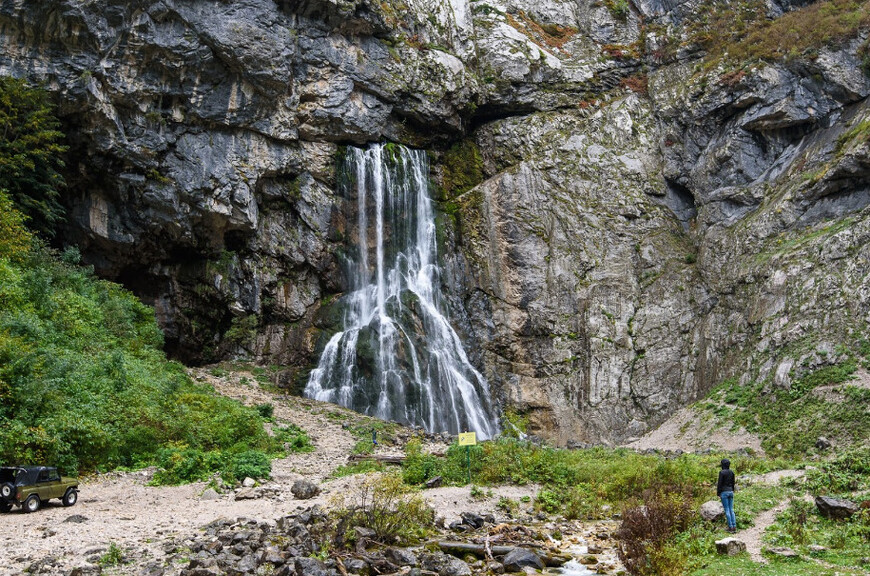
{"points": [[397, 357]]}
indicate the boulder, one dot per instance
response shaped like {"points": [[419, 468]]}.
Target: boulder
{"points": [[835, 508], [782, 552], [434, 482], [401, 557], [822, 443], [356, 566], [730, 546], [519, 558], [311, 567], [304, 489], [249, 482], [444, 564], [712, 511], [473, 520], [210, 494]]}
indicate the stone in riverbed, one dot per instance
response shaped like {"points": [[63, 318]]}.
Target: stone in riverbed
{"points": [[730, 546], [518, 558], [444, 564]]}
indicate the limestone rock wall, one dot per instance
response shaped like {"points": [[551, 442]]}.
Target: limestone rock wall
{"points": [[630, 229]]}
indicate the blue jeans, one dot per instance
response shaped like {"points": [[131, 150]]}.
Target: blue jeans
{"points": [[728, 505]]}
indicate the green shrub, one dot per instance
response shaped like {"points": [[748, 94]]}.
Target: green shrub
{"points": [[113, 556], [386, 505], [250, 464], [266, 411], [31, 153], [85, 384], [847, 472], [294, 438]]}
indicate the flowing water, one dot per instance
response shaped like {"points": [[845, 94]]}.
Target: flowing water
{"points": [[397, 356]]}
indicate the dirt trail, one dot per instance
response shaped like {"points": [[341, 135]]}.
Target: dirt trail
{"points": [[753, 535]]}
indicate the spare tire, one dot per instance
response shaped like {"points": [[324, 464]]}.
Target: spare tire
{"points": [[6, 490]]}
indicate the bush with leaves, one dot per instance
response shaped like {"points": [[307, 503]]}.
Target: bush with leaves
{"points": [[385, 504], [645, 546], [85, 384]]}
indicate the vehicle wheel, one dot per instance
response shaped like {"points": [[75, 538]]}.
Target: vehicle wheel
{"points": [[6, 490], [5, 507], [32, 503], [70, 498]]}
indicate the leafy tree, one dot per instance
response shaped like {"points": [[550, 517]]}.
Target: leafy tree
{"points": [[15, 239], [31, 151]]}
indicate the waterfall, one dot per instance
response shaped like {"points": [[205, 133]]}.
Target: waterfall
{"points": [[397, 356]]}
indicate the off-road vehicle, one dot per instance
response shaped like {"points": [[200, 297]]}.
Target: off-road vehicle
{"points": [[31, 486]]}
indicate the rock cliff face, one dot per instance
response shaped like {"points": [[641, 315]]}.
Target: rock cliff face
{"points": [[625, 221]]}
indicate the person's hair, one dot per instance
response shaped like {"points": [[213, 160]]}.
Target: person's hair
{"points": [[726, 463]]}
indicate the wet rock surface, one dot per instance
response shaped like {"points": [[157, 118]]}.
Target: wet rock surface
{"points": [[619, 240]]}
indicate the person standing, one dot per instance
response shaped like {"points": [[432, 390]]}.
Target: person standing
{"points": [[725, 491]]}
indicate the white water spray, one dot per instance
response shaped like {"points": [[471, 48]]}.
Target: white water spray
{"points": [[398, 357]]}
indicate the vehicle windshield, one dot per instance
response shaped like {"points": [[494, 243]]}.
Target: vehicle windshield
{"points": [[8, 475]]}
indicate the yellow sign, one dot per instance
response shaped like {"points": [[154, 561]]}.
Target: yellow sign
{"points": [[467, 438]]}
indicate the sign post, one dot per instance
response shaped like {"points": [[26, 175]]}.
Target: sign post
{"points": [[468, 439]]}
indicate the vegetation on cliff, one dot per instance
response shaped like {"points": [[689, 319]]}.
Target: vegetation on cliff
{"points": [[84, 383]]}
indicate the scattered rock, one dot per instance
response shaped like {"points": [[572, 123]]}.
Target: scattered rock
{"points": [[363, 532], [730, 546], [589, 560], [835, 508], [304, 489], [356, 566], [594, 549], [495, 567], [311, 567], [401, 557], [472, 519], [434, 482], [518, 558], [823, 443], [248, 494], [210, 494], [444, 564], [249, 482], [76, 519], [782, 552], [816, 549]]}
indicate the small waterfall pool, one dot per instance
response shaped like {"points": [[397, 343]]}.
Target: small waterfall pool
{"points": [[397, 356]]}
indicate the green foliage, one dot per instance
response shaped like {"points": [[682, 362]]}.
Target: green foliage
{"points": [[790, 420], [266, 410], [362, 467], [516, 424], [462, 169], [113, 556], [294, 438], [31, 153], [618, 8], [418, 467], [646, 533], [16, 240], [742, 32], [248, 464], [385, 504], [85, 384], [847, 472]]}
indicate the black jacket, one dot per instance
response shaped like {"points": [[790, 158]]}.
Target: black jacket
{"points": [[726, 481]]}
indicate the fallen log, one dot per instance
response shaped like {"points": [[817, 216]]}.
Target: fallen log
{"points": [[462, 548], [398, 460]]}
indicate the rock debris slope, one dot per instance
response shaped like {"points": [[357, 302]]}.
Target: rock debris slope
{"points": [[626, 222]]}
